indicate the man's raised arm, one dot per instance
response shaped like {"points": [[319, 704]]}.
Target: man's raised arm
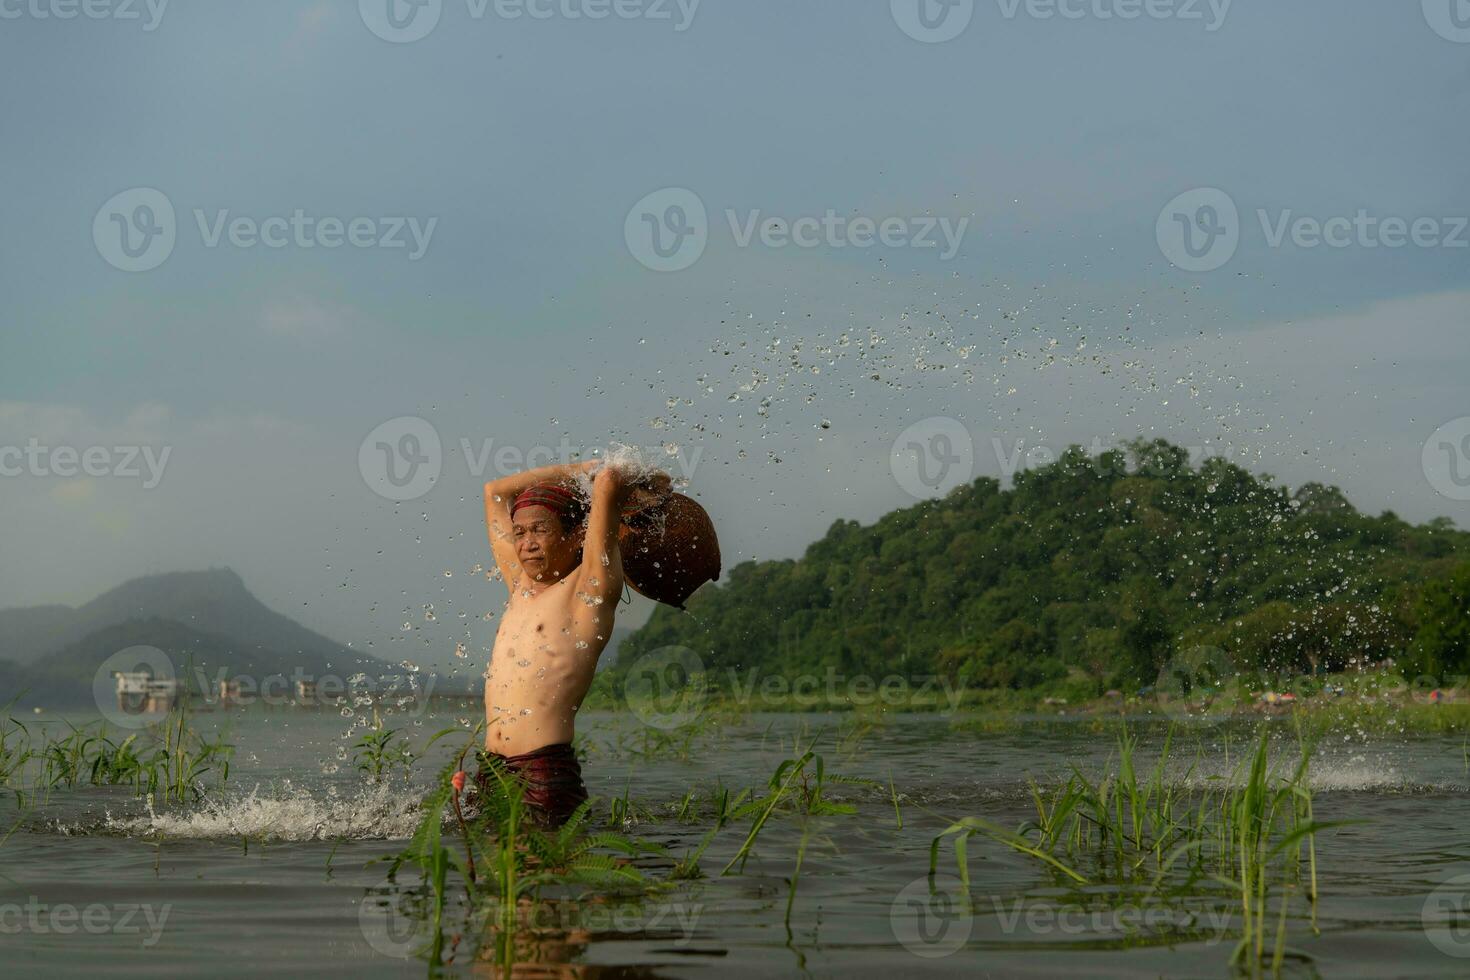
{"points": [[602, 561]]}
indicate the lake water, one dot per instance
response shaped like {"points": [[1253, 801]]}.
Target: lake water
{"points": [[276, 873]]}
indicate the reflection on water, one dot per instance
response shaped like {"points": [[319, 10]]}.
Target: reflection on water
{"points": [[283, 870]]}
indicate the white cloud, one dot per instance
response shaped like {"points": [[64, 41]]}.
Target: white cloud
{"points": [[305, 320]]}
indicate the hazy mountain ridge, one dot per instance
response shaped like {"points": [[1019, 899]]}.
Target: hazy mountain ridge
{"points": [[199, 659], [29, 631], [215, 601], [207, 622]]}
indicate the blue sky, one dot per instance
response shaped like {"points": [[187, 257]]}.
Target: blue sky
{"points": [[527, 141]]}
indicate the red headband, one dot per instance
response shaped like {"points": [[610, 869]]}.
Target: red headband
{"points": [[554, 497]]}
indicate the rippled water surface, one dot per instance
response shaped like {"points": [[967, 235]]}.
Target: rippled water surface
{"points": [[279, 872]]}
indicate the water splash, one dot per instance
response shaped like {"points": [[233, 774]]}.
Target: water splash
{"points": [[284, 813]]}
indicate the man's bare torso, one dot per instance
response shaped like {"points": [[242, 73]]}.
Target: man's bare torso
{"points": [[543, 662]]}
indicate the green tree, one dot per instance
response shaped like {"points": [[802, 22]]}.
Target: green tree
{"points": [[1442, 644]]}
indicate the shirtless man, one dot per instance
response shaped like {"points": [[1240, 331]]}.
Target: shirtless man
{"points": [[560, 561]]}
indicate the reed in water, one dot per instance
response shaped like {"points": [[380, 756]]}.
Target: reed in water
{"points": [[168, 761], [1249, 835]]}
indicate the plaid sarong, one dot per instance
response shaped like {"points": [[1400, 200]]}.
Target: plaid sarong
{"points": [[551, 777]]}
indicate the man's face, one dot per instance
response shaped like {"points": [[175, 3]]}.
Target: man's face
{"points": [[547, 552]]}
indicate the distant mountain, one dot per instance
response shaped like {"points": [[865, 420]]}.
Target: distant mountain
{"points": [[214, 601], [207, 622], [29, 632], [9, 680], [200, 659]]}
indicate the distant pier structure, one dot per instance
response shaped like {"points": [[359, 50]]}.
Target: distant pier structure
{"points": [[229, 694], [140, 693]]}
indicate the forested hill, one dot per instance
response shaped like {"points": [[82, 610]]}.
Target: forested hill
{"points": [[1101, 565]]}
